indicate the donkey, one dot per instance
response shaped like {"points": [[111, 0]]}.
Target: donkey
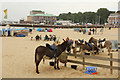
{"points": [[93, 40], [87, 46], [107, 45], [41, 51], [78, 43]]}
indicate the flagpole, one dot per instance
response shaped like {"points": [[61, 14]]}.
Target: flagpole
{"points": [[5, 17]]}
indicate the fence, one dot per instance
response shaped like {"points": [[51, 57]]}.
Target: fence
{"points": [[111, 59]]}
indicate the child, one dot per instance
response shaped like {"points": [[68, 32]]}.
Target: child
{"points": [[40, 37], [31, 38]]}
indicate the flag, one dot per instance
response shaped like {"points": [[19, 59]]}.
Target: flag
{"points": [[5, 11]]}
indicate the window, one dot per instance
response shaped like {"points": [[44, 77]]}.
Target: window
{"points": [[32, 18]]}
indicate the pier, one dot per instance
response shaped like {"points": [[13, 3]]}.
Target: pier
{"points": [[51, 26]]}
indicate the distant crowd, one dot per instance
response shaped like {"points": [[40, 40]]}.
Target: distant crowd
{"points": [[46, 38], [90, 31]]}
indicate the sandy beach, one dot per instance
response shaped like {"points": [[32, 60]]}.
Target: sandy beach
{"points": [[18, 60]]}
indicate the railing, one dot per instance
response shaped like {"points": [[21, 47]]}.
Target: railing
{"points": [[111, 59]]}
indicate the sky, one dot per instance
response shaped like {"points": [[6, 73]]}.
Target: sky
{"points": [[20, 9]]}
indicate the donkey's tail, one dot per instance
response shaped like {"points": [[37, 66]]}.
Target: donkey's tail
{"points": [[36, 55]]}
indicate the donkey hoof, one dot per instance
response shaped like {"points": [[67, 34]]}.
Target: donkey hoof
{"points": [[37, 72], [55, 68], [58, 68]]}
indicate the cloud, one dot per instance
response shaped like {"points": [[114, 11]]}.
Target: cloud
{"points": [[20, 8]]}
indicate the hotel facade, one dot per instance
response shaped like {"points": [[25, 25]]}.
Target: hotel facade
{"points": [[113, 19], [37, 17]]}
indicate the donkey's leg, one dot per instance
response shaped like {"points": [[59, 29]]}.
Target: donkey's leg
{"points": [[74, 52], [38, 60], [58, 64], [108, 51], [55, 64], [65, 65], [43, 59], [93, 51], [37, 63]]}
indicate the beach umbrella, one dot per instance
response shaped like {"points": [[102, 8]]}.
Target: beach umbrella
{"points": [[74, 29], [39, 29], [49, 30]]}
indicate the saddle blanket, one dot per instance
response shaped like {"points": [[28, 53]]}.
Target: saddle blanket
{"points": [[54, 47]]}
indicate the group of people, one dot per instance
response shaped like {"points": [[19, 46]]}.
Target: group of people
{"points": [[94, 30], [46, 38], [91, 31], [50, 38]]}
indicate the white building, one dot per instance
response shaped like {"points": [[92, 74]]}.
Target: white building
{"points": [[64, 22], [119, 13], [119, 6], [9, 22], [113, 19]]}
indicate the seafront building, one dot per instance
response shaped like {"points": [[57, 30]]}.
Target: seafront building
{"points": [[113, 19], [38, 17], [118, 13], [64, 22]]}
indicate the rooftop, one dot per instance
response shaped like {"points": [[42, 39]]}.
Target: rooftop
{"points": [[42, 15], [114, 14], [37, 11]]}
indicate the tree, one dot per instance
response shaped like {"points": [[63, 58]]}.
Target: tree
{"points": [[103, 14], [87, 17]]}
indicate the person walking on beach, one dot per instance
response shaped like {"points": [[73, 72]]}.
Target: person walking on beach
{"points": [[101, 31], [46, 37], [31, 38], [51, 37], [37, 38], [54, 38], [84, 31], [93, 30], [40, 37], [90, 29]]}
